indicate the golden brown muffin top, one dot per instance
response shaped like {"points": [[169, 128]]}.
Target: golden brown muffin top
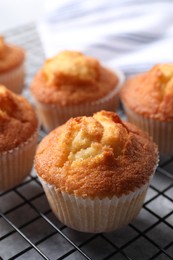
{"points": [[98, 156], [18, 120], [10, 56], [151, 94], [72, 78]]}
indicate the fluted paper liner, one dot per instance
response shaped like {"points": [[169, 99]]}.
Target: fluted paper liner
{"points": [[17, 163], [52, 116], [160, 131], [13, 79], [94, 215]]}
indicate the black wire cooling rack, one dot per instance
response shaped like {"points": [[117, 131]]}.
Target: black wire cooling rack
{"points": [[29, 230]]}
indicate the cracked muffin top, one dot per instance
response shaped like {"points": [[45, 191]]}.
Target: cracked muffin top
{"points": [[98, 156], [10, 56], [18, 120], [72, 78], [151, 94]]}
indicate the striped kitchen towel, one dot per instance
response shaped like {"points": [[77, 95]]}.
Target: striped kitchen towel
{"points": [[131, 35]]}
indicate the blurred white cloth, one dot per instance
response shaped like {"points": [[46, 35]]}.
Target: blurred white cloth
{"points": [[131, 35]]}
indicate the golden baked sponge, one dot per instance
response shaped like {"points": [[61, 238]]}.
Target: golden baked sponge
{"points": [[98, 156], [17, 120], [71, 66], [151, 94], [10, 56], [72, 78]]}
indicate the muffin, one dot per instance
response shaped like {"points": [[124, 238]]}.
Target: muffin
{"points": [[95, 171], [18, 138], [72, 84], [11, 66], [148, 103]]}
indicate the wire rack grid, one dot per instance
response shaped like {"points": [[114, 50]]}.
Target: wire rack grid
{"points": [[29, 230]]}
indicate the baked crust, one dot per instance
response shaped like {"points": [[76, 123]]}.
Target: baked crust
{"points": [[18, 120], [10, 56], [151, 94], [98, 156], [72, 78]]}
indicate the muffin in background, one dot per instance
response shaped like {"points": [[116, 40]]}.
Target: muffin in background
{"points": [[95, 171], [72, 84], [148, 103], [11, 66], [18, 138]]}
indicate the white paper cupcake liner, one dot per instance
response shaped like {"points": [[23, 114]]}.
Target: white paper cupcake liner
{"points": [[95, 215], [52, 116], [13, 79], [17, 163], [161, 132]]}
